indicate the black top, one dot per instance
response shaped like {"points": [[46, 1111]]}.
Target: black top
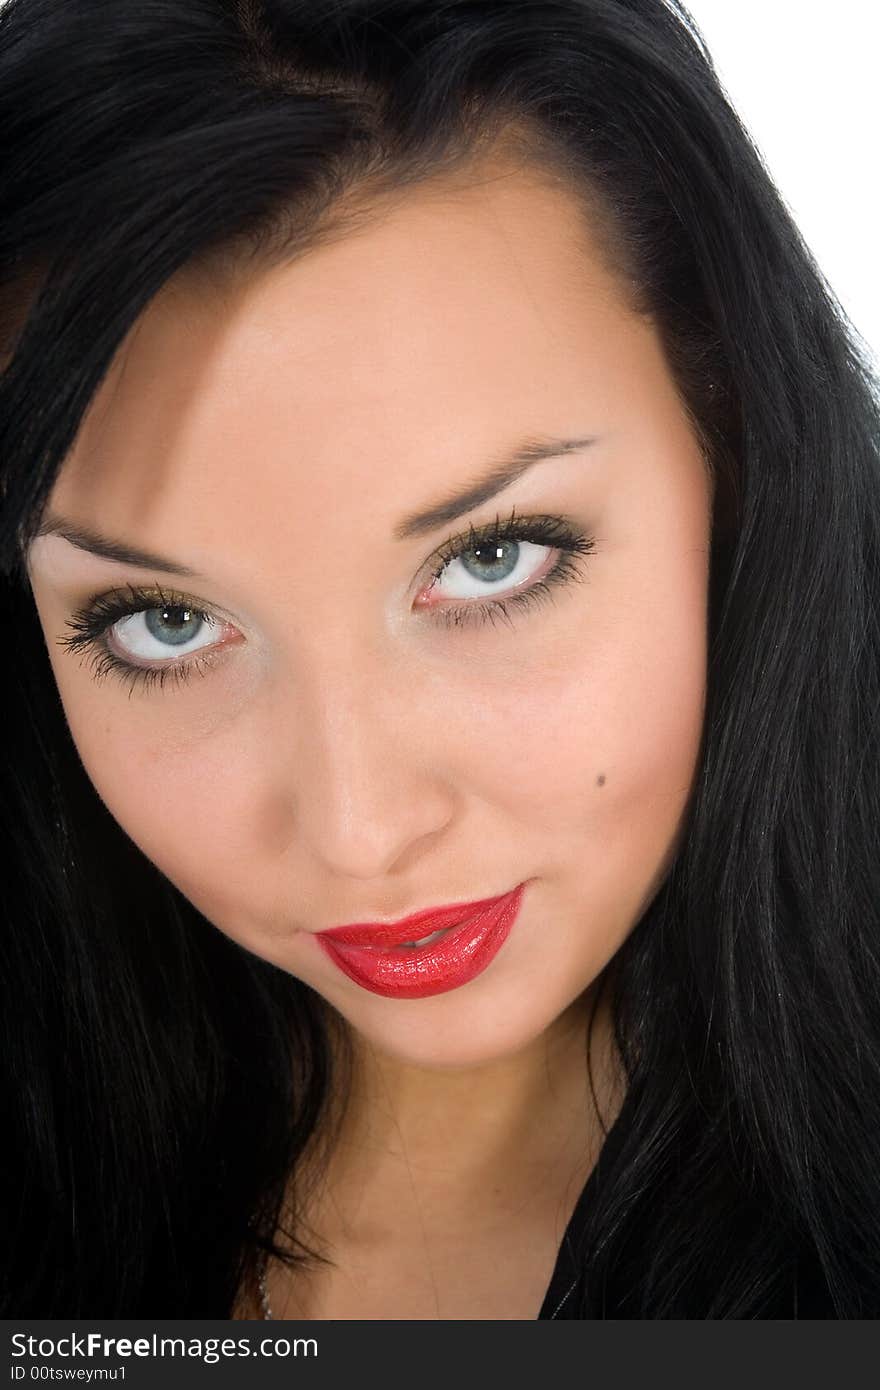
{"points": [[559, 1300], [810, 1299]]}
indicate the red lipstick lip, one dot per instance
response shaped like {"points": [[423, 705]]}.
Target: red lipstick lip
{"points": [[399, 971], [410, 928]]}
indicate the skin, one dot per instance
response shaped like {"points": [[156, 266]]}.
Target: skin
{"points": [[351, 759]]}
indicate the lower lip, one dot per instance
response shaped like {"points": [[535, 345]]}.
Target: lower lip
{"points": [[407, 972]]}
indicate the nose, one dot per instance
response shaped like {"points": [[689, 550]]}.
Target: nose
{"points": [[368, 787]]}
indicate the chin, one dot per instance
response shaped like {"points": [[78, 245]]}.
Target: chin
{"points": [[461, 1040]]}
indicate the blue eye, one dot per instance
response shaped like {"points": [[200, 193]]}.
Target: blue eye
{"points": [[173, 626], [501, 558], [147, 621]]}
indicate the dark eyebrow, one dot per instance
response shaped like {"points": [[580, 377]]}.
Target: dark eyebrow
{"points": [[504, 472], [86, 539]]}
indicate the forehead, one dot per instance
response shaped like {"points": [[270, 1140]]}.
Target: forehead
{"points": [[464, 313]]}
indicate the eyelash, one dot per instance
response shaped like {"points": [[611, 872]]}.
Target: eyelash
{"points": [[540, 530], [90, 623]]}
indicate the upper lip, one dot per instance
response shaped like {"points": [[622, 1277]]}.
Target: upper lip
{"points": [[410, 928]]}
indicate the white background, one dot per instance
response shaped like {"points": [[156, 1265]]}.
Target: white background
{"points": [[803, 77]]}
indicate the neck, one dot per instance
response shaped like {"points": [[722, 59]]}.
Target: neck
{"points": [[461, 1143]]}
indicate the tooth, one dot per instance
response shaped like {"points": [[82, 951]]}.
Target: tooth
{"points": [[423, 940]]}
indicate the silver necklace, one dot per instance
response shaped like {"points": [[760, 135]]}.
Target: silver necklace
{"points": [[270, 1316], [264, 1293]]}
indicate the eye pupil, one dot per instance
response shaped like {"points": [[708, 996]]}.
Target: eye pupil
{"points": [[173, 621], [491, 561]]}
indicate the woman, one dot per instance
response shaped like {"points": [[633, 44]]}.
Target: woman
{"points": [[437, 482]]}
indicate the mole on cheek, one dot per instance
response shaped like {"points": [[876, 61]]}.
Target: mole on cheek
{"points": [[600, 780]]}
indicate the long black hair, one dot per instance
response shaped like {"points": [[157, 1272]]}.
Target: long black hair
{"points": [[149, 1123]]}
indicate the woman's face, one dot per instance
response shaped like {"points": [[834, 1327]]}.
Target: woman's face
{"points": [[364, 732]]}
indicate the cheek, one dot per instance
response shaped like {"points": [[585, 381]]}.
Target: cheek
{"points": [[594, 752], [175, 797]]}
